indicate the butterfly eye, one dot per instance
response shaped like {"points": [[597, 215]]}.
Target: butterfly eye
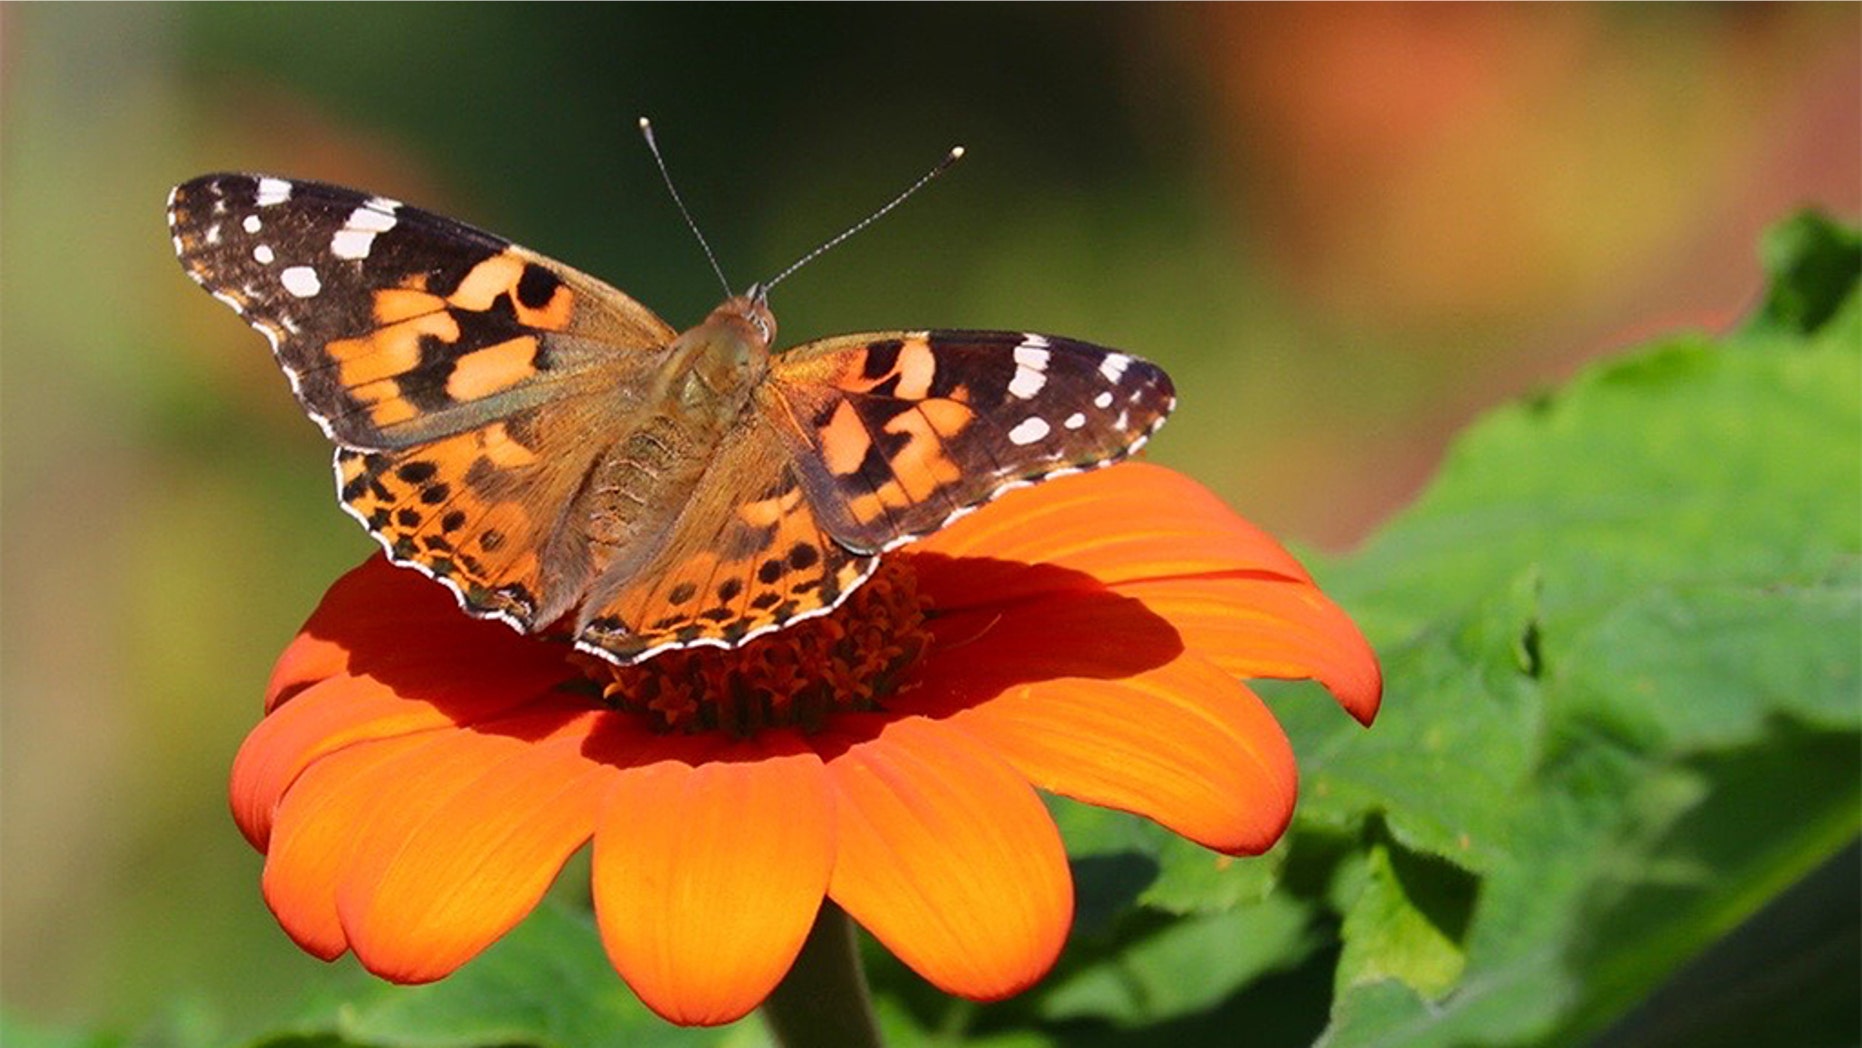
{"points": [[760, 318]]}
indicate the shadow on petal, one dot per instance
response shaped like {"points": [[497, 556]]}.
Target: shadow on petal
{"points": [[405, 634], [1032, 623]]}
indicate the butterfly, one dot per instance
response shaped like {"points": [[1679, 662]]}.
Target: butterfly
{"points": [[562, 459]]}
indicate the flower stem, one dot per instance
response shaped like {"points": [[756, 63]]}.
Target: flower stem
{"points": [[824, 1000]]}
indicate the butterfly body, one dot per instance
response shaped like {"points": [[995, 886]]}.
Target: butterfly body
{"points": [[561, 458], [666, 433]]}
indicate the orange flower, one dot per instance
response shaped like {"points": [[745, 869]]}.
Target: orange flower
{"points": [[421, 776]]}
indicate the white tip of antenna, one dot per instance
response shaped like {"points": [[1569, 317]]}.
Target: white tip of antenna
{"points": [[956, 152], [645, 124]]}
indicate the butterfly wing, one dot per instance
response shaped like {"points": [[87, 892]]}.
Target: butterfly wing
{"points": [[488, 511], [894, 435], [397, 326], [856, 445], [461, 375]]}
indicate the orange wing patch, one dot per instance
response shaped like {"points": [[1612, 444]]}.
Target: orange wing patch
{"points": [[372, 367], [921, 469], [432, 352], [906, 370], [539, 298], [494, 369]]}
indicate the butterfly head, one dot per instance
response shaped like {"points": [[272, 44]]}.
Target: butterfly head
{"points": [[751, 311], [713, 366]]}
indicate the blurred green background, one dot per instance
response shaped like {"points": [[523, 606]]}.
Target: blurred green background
{"points": [[1345, 230]]}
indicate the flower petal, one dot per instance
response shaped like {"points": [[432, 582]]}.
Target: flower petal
{"points": [[319, 824], [1270, 628], [1184, 744], [708, 872], [342, 711], [477, 826], [362, 627], [949, 858], [1166, 525]]}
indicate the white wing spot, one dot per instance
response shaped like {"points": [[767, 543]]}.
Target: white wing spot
{"points": [[352, 243], [1075, 421], [263, 254], [358, 233], [230, 302], [1103, 400], [1029, 430], [273, 191], [301, 281], [213, 234], [1113, 366], [252, 224], [1030, 367]]}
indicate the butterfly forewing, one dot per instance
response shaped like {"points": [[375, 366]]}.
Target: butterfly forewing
{"points": [[896, 434], [460, 374], [397, 326]]}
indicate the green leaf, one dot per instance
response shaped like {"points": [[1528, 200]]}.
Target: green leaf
{"points": [[1814, 265], [1404, 925], [1459, 729], [1620, 638], [1120, 860], [1185, 966], [1687, 464]]}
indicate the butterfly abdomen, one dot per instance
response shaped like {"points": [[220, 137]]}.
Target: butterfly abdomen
{"points": [[638, 483]]}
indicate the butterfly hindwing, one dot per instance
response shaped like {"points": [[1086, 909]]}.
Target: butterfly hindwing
{"points": [[397, 326], [896, 434], [484, 511]]}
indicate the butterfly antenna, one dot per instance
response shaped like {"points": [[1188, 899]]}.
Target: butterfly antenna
{"points": [[955, 154], [646, 129]]}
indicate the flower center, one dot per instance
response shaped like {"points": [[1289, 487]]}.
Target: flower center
{"points": [[800, 675]]}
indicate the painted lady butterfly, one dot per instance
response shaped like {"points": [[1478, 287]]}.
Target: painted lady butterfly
{"points": [[547, 447]]}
